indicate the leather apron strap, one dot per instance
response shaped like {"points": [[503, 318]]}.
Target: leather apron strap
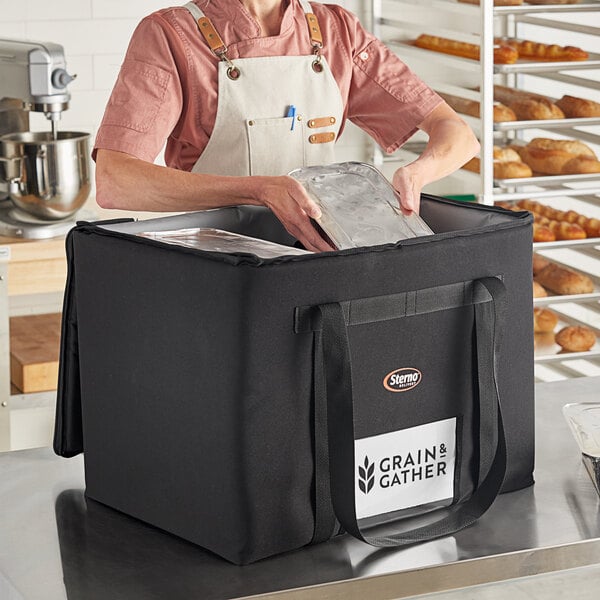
{"points": [[257, 133]]}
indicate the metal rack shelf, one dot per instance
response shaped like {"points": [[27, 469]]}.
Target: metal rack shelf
{"points": [[528, 66], [546, 124], [406, 46], [588, 6], [542, 180]]}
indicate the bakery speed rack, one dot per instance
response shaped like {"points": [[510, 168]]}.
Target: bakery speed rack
{"points": [[399, 22]]}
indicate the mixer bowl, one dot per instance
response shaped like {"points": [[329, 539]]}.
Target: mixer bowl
{"points": [[49, 178]]}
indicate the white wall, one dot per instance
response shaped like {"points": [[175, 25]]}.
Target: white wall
{"points": [[95, 34]]}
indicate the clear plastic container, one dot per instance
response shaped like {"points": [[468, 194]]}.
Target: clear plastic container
{"points": [[217, 240], [359, 205], [584, 420]]}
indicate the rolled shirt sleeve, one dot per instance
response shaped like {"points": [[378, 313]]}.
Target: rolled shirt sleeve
{"points": [[146, 101], [385, 98]]}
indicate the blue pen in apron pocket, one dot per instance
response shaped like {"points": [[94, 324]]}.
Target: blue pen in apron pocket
{"points": [[291, 112]]}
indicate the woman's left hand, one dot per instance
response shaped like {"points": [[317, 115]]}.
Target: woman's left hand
{"points": [[408, 183]]}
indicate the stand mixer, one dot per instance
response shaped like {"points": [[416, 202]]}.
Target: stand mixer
{"points": [[44, 176]]}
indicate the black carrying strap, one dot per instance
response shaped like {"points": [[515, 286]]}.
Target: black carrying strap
{"points": [[68, 428], [489, 319]]}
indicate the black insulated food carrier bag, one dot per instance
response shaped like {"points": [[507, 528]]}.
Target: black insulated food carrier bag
{"points": [[254, 406]]}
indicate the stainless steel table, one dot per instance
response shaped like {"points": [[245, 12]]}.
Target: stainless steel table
{"points": [[55, 544]]}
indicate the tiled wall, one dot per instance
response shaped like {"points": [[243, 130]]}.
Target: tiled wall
{"points": [[95, 34]]}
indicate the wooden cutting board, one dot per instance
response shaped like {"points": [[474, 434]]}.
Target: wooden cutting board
{"points": [[34, 348]]}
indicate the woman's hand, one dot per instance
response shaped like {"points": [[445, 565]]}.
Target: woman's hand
{"points": [[290, 203], [451, 144], [408, 182]]}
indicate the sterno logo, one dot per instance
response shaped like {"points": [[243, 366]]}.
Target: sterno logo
{"points": [[402, 380], [366, 476]]}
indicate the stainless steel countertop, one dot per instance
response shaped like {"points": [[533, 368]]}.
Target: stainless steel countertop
{"points": [[55, 544]]}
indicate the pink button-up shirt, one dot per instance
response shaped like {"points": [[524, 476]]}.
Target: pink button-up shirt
{"points": [[167, 88]]}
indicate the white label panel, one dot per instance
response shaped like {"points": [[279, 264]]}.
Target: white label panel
{"points": [[406, 468]]}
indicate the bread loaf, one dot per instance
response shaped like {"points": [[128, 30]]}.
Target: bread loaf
{"points": [[579, 165], [539, 51], [544, 320], [506, 95], [564, 281], [502, 169], [505, 154], [558, 157], [564, 231], [541, 233], [590, 226], [572, 146], [546, 162], [574, 108], [528, 109], [575, 338], [471, 107], [503, 54], [538, 290], [539, 263]]}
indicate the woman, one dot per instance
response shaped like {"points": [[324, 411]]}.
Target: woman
{"points": [[243, 91]]}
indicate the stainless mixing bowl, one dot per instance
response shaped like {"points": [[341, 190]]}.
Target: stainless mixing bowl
{"points": [[47, 178]]}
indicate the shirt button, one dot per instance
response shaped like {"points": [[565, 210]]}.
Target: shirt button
{"points": [[364, 55]]}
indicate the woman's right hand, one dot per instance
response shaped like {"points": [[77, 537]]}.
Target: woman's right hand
{"points": [[290, 203]]}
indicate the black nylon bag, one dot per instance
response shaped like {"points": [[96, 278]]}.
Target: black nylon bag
{"points": [[218, 396]]}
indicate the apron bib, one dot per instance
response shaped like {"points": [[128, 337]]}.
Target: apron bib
{"points": [[253, 134]]}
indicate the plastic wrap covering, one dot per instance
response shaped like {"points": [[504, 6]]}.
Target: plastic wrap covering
{"points": [[217, 240], [584, 420], [359, 205]]}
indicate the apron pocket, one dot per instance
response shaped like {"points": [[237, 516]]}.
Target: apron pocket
{"points": [[275, 147]]}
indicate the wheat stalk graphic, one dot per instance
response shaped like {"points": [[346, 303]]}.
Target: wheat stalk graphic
{"points": [[366, 476]]}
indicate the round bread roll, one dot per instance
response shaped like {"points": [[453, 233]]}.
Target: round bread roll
{"points": [[575, 338], [538, 290], [564, 281], [544, 320]]}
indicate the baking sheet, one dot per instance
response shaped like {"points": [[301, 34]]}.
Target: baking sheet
{"points": [[217, 240]]}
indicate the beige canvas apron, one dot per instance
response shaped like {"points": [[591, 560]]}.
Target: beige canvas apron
{"points": [[252, 134]]}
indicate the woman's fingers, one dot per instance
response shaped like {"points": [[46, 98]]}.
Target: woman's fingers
{"points": [[290, 203], [405, 185]]}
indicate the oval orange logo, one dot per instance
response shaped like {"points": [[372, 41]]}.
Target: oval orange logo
{"points": [[402, 380]]}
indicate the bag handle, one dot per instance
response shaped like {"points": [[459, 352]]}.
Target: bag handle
{"points": [[489, 319]]}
